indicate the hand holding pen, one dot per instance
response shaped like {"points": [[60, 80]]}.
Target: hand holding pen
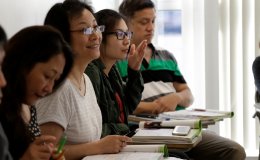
{"points": [[40, 149], [113, 143], [58, 153]]}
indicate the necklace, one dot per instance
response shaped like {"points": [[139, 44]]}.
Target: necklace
{"points": [[79, 83]]}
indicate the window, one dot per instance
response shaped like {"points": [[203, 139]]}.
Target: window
{"points": [[169, 31]]}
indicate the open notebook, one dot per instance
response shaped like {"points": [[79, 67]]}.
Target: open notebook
{"points": [[135, 152]]}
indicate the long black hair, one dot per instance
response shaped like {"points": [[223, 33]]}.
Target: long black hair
{"points": [[60, 14], [3, 37], [110, 19], [31, 45]]}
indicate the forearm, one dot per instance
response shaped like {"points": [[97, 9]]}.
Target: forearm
{"points": [[79, 151], [185, 98], [145, 107], [108, 144]]}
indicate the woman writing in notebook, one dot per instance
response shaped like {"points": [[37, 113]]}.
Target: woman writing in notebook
{"points": [[37, 61]]}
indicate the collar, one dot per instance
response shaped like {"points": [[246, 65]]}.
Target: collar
{"points": [[99, 63], [150, 45]]}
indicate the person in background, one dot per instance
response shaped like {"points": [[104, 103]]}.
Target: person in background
{"points": [[37, 61], [73, 110], [256, 74], [116, 99], [165, 88], [4, 151]]}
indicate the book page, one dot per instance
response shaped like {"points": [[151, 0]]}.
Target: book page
{"points": [[144, 148], [162, 135], [127, 156], [186, 114], [154, 133]]}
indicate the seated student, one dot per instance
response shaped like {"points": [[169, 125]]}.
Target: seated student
{"points": [[73, 108], [256, 73], [116, 100], [37, 60], [164, 86], [4, 151]]}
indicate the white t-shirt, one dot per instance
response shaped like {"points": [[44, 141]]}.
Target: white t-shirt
{"points": [[80, 116]]}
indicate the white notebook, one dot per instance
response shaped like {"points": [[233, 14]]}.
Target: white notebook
{"points": [[127, 156]]}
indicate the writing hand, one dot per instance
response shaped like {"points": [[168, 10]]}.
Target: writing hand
{"points": [[40, 149], [114, 143]]}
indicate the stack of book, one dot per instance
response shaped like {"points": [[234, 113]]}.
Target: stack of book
{"points": [[153, 132], [207, 117]]}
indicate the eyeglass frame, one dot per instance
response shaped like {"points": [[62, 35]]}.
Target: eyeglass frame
{"points": [[126, 34], [91, 30]]}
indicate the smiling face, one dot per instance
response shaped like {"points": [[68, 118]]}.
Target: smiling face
{"points": [[114, 48], [86, 47], [40, 80], [142, 24]]}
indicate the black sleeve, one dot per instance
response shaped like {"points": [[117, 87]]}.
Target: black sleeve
{"points": [[256, 72]]}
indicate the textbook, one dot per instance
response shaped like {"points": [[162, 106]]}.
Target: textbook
{"points": [[193, 123], [135, 152], [165, 136], [136, 119], [202, 114]]}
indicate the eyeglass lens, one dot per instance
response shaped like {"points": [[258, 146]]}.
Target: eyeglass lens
{"points": [[121, 35], [91, 30]]}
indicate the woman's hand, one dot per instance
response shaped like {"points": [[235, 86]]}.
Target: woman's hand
{"points": [[113, 143], [40, 149], [136, 55], [58, 155]]}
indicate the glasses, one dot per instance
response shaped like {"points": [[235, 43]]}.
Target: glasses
{"points": [[91, 30], [120, 35]]}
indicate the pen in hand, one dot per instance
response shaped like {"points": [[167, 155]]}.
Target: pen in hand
{"points": [[58, 154], [131, 133], [61, 144]]}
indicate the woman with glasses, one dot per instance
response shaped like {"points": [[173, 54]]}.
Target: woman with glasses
{"points": [[116, 100], [73, 110]]}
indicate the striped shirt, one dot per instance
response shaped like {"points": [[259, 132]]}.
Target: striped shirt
{"points": [[159, 74]]}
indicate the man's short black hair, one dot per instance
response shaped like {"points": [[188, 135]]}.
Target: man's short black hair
{"points": [[129, 7]]}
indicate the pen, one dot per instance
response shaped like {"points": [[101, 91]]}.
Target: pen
{"points": [[152, 116], [198, 109], [62, 143], [131, 133]]}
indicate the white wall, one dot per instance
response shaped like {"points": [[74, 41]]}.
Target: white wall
{"points": [[17, 14]]}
